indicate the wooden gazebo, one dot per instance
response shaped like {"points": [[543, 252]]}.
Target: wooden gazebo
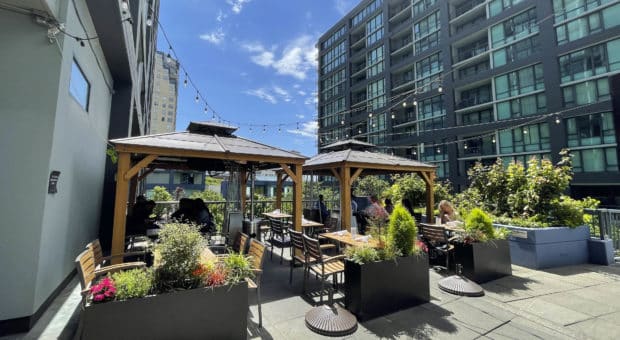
{"points": [[347, 160], [204, 146]]}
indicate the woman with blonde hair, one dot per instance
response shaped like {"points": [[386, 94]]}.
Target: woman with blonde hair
{"points": [[446, 212]]}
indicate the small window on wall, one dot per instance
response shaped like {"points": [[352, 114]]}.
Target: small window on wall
{"points": [[79, 87]]}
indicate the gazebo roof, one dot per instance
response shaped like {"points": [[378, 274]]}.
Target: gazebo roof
{"points": [[206, 140], [353, 144], [367, 160]]}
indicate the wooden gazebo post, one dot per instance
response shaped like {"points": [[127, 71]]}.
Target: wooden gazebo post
{"points": [[429, 178]]}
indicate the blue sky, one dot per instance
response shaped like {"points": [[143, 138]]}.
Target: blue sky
{"points": [[254, 61]]}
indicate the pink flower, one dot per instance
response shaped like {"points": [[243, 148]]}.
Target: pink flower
{"points": [[98, 297]]}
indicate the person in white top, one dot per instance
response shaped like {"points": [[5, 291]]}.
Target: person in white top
{"points": [[353, 212]]}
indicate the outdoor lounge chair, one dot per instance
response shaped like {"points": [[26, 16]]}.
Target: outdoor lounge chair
{"points": [[103, 262], [257, 255], [239, 245], [297, 241], [279, 237], [322, 266]]}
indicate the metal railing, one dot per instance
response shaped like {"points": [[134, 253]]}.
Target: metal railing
{"points": [[606, 223]]}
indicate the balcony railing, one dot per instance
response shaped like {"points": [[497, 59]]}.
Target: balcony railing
{"points": [[470, 53], [473, 101], [401, 44], [466, 6]]}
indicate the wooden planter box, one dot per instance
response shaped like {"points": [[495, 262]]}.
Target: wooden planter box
{"points": [[539, 248], [380, 288], [484, 261], [202, 313]]}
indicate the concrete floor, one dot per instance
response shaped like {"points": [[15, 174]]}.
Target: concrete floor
{"points": [[580, 302]]}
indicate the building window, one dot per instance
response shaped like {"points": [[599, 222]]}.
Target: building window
{"points": [[595, 160], [428, 42], [594, 129], [333, 38], [497, 6], [475, 96], [374, 29], [568, 9], [517, 51], [334, 58], [523, 159], [514, 28], [359, 17], [589, 62], [477, 117], [431, 107], [422, 5], [479, 146], [519, 82], [432, 153], [374, 60], [376, 94], [590, 24], [79, 87], [426, 26], [524, 139], [520, 107], [588, 92]]}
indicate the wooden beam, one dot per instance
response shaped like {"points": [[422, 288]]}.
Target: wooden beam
{"points": [[279, 181], [120, 206], [345, 198], [243, 183], [355, 175], [430, 198], [145, 173], [133, 188], [336, 174], [289, 172], [141, 164], [297, 198], [424, 176]]}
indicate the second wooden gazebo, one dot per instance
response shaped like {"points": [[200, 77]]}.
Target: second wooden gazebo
{"points": [[350, 159]]}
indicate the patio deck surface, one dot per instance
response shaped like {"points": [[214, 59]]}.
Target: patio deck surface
{"points": [[580, 302]]}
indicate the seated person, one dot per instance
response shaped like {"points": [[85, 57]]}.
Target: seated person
{"points": [[185, 212], [389, 207], [323, 209], [407, 204], [446, 212], [202, 216], [375, 210]]}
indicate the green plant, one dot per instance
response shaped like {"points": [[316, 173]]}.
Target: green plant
{"points": [[479, 225], [131, 284], [179, 251], [362, 255], [217, 210], [412, 187], [402, 231], [237, 267], [111, 152], [160, 194], [371, 185]]}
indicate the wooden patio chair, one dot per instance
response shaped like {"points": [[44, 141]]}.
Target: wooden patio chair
{"points": [[297, 241], [437, 241], [239, 245], [103, 262], [257, 257], [322, 266], [279, 237]]}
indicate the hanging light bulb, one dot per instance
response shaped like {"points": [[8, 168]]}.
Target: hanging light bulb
{"points": [[342, 122], [149, 21], [440, 89], [393, 116], [370, 115], [213, 117], [250, 129], [438, 150], [404, 104], [359, 130], [168, 58], [197, 97], [465, 146], [297, 125], [415, 152], [185, 81], [264, 128], [415, 102], [525, 131], [279, 129], [124, 5], [493, 140], [557, 120], [374, 125]]}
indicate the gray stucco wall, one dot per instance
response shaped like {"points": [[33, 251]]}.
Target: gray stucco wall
{"points": [[42, 129]]}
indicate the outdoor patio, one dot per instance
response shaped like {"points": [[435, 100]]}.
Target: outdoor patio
{"points": [[568, 302]]}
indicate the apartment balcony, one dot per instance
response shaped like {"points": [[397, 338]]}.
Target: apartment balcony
{"points": [[473, 101], [471, 52], [464, 22], [402, 10], [401, 45], [400, 25], [467, 6]]}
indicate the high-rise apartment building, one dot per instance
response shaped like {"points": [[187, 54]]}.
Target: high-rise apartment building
{"points": [[165, 92], [455, 82]]}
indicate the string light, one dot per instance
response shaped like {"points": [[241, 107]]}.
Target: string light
{"points": [[342, 122], [197, 97], [415, 102], [264, 128], [404, 104], [465, 146], [393, 116], [370, 115], [525, 131], [206, 110], [279, 129], [557, 120], [440, 89], [124, 6], [493, 140], [149, 21], [185, 81]]}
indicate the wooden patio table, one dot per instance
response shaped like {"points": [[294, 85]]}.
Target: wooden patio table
{"points": [[346, 238], [277, 215]]}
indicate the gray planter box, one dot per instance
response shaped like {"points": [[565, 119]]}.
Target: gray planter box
{"points": [[381, 288], [601, 251], [548, 247], [203, 313]]}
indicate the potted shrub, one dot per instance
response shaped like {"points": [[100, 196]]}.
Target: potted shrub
{"points": [[183, 296], [547, 229], [483, 251], [382, 281]]}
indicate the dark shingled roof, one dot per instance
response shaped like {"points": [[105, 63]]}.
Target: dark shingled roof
{"points": [[366, 157], [208, 137]]}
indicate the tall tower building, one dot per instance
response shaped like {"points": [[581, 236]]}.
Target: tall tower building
{"points": [[455, 82], [165, 91]]}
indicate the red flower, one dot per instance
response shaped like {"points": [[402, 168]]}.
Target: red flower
{"points": [[421, 245], [103, 291]]}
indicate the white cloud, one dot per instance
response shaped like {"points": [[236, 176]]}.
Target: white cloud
{"points": [[307, 129], [301, 93], [299, 116], [271, 95], [296, 86], [296, 59], [221, 16], [344, 6], [313, 99], [215, 37], [262, 94], [237, 5]]}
